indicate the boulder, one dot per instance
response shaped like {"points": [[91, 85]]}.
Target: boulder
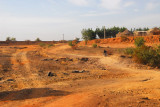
{"points": [[50, 74]]}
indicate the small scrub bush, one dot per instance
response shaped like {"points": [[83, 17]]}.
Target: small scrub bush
{"points": [[147, 55], [70, 43], [50, 45], [139, 41], [94, 45], [129, 51], [42, 44]]}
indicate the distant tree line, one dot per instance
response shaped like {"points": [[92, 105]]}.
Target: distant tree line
{"points": [[89, 34]]}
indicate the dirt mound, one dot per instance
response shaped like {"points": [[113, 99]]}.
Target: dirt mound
{"points": [[148, 39]]}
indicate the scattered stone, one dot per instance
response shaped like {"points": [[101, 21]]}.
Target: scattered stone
{"points": [[84, 59], [123, 56], [146, 80], [0, 78], [11, 80], [56, 59], [65, 74], [146, 98], [47, 59], [103, 69], [76, 71], [50, 74]]}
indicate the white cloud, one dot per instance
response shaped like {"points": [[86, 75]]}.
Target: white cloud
{"points": [[152, 5], [79, 2], [101, 13], [151, 20], [32, 20], [127, 4], [136, 10], [111, 4]]}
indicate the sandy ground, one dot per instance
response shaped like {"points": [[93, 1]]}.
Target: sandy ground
{"points": [[121, 84]]}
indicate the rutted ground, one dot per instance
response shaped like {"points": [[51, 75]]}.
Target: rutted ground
{"points": [[108, 81]]}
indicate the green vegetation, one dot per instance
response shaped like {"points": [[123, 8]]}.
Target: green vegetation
{"points": [[129, 51], [70, 43], [94, 45], [110, 32], [88, 34], [10, 39], [50, 45], [145, 54], [42, 44], [139, 41], [37, 40]]}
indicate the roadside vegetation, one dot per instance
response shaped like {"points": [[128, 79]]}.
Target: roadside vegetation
{"points": [[145, 54]]}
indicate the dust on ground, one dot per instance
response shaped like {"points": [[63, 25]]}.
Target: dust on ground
{"points": [[31, 76]]}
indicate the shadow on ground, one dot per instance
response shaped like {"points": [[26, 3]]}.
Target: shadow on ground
{"points": [[30, 93]]}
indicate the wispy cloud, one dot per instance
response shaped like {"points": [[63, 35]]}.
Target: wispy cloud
{"points": [[129, 3], [100, 13], [152, 5], [33, 20], [79, 2], [111, 4]]}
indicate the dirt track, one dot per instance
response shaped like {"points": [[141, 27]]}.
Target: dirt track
{"points": [[119, 85]]}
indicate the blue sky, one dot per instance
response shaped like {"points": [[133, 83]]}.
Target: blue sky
{"points": [[50, 19]]}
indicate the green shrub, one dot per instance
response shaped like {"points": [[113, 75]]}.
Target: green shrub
{"points": [[42, 44], [129, 51], [50, 45], [94, 45], [147, 55], [70, 43], [139, 41]]}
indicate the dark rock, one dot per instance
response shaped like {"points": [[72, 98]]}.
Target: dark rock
{"points": [[50, 74], [47, 59], [103, 69], [10, 80], [0, 78], [56, 59], [76, 71], [146, 98], [122, 56], [83, 71], [146, 80], [65, 74], [84, 59]]}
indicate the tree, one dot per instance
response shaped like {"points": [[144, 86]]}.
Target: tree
{"points": [[110, 32], [13, 39], [37, 39], [88, 34], [10, 39]]}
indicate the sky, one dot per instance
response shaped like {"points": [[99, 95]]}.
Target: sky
{"points": [[50, 19]]}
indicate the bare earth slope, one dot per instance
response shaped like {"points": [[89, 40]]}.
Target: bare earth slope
{"points": [[110, 82]]}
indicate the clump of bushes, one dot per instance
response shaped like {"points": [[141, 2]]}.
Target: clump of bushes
{"points": [[42, 44], [46, 45], [70, 43], [50, 45], [145, 54], [139, 41], [94, 45], [129, 51]]}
